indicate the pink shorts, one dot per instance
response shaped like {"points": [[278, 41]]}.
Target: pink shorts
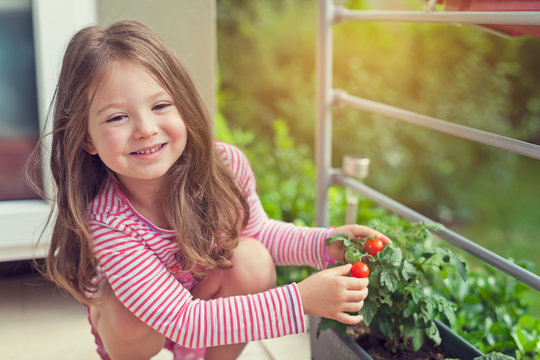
{"points": [[179, 352]]}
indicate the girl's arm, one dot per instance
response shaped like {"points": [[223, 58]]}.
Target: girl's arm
{"points": [[287, 243], [142, 283]]}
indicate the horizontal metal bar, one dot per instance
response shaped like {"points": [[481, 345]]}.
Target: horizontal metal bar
{"points": [[465, 132], [461, 242], [342, 14]]}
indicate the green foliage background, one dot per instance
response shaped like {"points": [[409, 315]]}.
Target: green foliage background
{"points": [[493, 310], [266, 53]]}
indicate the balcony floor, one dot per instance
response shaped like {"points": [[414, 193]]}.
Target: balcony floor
{"points": [[40, 322]]}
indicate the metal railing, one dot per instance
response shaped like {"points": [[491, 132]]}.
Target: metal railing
{"points": [[327, 97]]}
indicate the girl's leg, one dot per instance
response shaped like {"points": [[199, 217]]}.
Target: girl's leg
{"points": [[253, 271], [124, 336]]}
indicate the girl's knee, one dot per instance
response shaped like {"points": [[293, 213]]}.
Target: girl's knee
{"points": [[253, 266], [253, 271], [115, 320]]}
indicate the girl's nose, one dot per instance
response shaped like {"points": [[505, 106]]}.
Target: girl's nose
{"points": [[145, 126]]}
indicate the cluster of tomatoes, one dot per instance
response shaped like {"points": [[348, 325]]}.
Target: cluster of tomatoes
{"points": [[372, 247]]}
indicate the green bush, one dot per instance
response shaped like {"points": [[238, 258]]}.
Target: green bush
{"points": [[460, 74], [492, 314]]}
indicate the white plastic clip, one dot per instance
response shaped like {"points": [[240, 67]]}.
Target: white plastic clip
{"points": [[431, 6]]}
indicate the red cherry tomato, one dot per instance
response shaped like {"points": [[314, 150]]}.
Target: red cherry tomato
{"points": [[373, 246], [360, 270]]}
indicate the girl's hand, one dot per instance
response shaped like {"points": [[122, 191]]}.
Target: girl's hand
{"points": [[95, 281], [331, 294], [336, 250]]}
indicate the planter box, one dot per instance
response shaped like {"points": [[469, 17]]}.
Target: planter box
{"points": [[332, 345]]}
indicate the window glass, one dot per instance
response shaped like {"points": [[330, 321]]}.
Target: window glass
{"points": [[19, 122]]}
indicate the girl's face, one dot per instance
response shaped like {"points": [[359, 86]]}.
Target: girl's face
{"points": [[133, 125]]}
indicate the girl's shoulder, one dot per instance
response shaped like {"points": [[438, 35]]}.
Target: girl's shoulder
{"points": [[237, 162], [232, 156], [108, 201]]}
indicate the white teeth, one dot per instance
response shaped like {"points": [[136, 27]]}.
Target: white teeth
{"points": [[149, 151]]}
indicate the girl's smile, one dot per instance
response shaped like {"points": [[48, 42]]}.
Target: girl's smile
{"points": [[134, 125], [149, 150]]}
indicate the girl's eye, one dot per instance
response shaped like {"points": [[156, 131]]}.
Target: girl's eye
{"points": [[116, 118], [161, 106]]}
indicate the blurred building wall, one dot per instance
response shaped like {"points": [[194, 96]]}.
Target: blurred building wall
{"points": [[187, 26]]}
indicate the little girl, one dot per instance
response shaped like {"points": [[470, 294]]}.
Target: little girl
{"points": [[158, 229]]}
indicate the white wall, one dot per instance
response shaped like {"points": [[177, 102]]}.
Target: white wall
{"points": [[187, 26]]}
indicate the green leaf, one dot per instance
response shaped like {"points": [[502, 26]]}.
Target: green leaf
{"points": [[428, 309], [444, 273], [459, 265], [452, 259], [434, 226], [418, 340], [527, 322], [409, 328], [408, 271], [326, 324], [397, 256], [390, 279], [426, 254], [494, 356], [519, 339], [385, 325], [416, 294], [528, 341], [391, 255], [353, 254], [412, 308], [368, 311], [338, 237], [497, 329], [385, 298], [433, 333], [449, 311]]}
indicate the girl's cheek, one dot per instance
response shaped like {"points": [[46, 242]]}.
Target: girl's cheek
{"points": [[114, 139]]}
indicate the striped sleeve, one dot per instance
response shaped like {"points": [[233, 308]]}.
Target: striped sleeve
{"points": [[287, 243], [142, 283]]}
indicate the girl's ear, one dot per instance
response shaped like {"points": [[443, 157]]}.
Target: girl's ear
{"points": [[88, 145]]}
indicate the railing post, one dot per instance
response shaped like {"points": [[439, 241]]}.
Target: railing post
{"points": [[323, 131], [357, 167]]}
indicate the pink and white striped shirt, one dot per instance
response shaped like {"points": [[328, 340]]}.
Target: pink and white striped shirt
{"points": [[139, 262]]}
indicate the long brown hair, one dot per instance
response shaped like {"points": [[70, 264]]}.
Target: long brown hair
{"points": [[202, 203]]}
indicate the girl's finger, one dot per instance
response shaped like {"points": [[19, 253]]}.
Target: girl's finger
{"points": [[363, 231], [384, 238], [340, 270], [349, 319], [356, 295], [353, 306], [357, 283], [89, 293]]}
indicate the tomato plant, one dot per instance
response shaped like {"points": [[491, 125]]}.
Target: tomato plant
{"points": [[402, 305], [360, 270], [373, 246]]}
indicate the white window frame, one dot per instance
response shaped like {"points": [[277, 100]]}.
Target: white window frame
{"points": [[22, 221]]}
